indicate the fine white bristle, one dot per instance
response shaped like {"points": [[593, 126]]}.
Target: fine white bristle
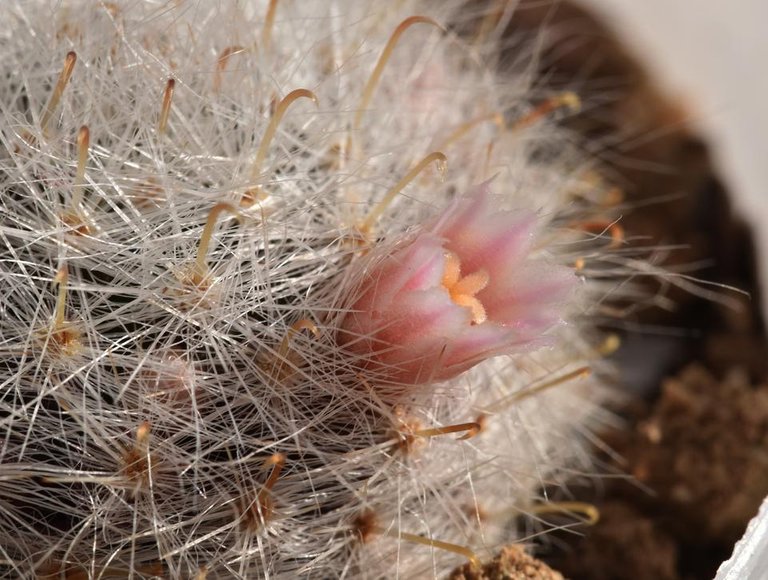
{"points": [[176, 260]]}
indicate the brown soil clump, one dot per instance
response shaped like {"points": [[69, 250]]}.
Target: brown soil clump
{"points": [[699, 471], [511, 564]]}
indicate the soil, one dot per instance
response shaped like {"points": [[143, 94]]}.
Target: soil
{"points": [[512, 563], [699, 471]]}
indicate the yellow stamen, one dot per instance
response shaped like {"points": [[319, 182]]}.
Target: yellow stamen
{"points": [[452, 270], [476, 307], [463, 290], [472, 284]]}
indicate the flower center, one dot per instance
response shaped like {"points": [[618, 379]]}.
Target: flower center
{"points": [[463, 290]]}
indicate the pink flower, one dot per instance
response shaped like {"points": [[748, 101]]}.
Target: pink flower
{"points": [[460, 292]]}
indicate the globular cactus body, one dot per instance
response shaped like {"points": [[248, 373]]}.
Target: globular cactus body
{"points": [[197, 199]]}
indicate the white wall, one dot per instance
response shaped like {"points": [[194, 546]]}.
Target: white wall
{"points": [[713, 55]]}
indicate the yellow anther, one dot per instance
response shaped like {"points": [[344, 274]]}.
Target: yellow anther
{"points": [[463, 290]]}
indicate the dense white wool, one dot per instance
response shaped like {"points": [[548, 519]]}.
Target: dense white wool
{"points": [[140, 425]]}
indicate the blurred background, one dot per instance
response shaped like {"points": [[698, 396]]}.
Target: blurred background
{"points": [[711, 56], [695, 436]]}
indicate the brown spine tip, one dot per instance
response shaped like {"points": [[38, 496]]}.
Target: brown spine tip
{"points": [[221, 64], [83, 144], [58, 91], [166, 108]]}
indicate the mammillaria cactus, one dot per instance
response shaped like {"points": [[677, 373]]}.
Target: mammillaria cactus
{"points": [[200, 205]]}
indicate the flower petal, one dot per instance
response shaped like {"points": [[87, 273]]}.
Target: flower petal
{"points": [[418, 266], [450, 298], [413, 341], [528, 297], [483, 238]]}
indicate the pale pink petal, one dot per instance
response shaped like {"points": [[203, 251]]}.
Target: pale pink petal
{"points": [[412, 345], [485, 238], [534, 292], [424, 316], [476, 342], [408, 331], [417, 266], [503, 241], [466, 210], [426, 264]]}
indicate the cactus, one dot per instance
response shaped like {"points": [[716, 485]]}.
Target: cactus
{"points": [[200, 202]]}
